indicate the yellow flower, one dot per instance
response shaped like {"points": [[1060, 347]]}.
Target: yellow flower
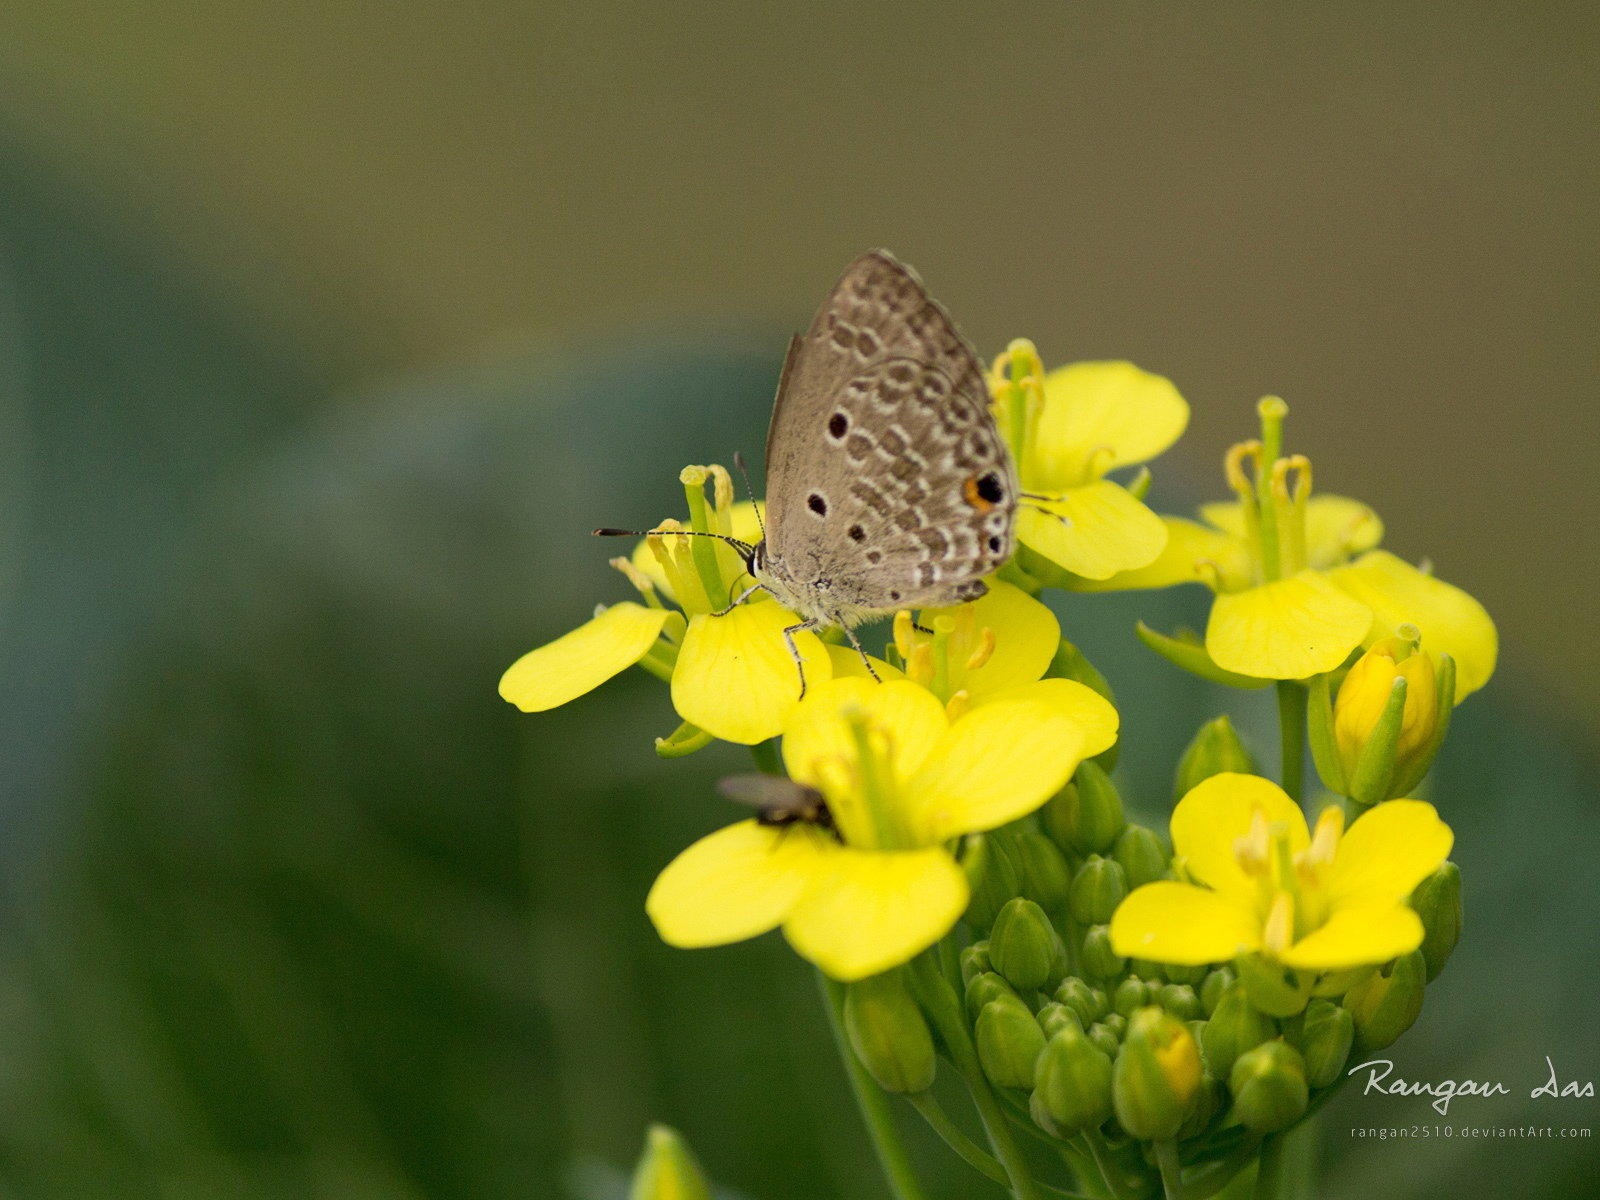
{"points": [[1365, 693], [902, 780], [1299, 583], [1066, 430], [1263, 883], [731, 675]]}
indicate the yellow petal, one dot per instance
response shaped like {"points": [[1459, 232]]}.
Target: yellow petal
{"points": [[1026, 635], [1357, 936], [1095, 530], [1132, 414], [909, 719], [1387, 852], [999, 762], [1216, 813], [1290, 629], [1337, 528], [1451, 621], [847, 664], [580, 661], [1193, 552], [734, 676], [868, 911], [736, 883], [1092, 713], [1171, 922]]}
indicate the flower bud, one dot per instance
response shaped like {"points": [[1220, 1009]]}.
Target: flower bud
{"points": [[1275, 989], [1089, 1004], [1380, 734], [1323, 1035], [1129, 995], [1072, 1083], [1269, 1087], [1184, 973], [1216, 749], [1386, 1003], [992, 877], [1107, 1039], [1009, 1042], [1025, 948], [1097, 888], [667, 1170], [984, 987], [1156, 1077], [975, 961], [1086, 815], [1042, 871], [1213, 987], [889, 1034], [1437, 900], [1100, 962], [1180, 1000], [1236, 1027], [1054, 1017], [1142, 855]]}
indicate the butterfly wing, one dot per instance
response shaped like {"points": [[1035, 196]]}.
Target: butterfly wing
{"points": [[888, 484]]}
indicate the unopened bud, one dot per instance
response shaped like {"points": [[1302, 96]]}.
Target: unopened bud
{"points": [[667, 1170], [992, 878], [1142, 855], [983, 988], [1323, 1035], [1156, 1077], [1180, 1000], [1009, 1042], [1277, 990], [1129, 995], [1042, 872], [1098, 886], [1072, 1083], [1380, 733], [1089, 1003], [975, 961], [1055, 1017], [889, 1034], [1025, 948], [1385, 1004], [1214, 986], [1100, 962], [1085, 817], [1235, 1027], [1437, 900], [1216, 750], [1269, 1087]]}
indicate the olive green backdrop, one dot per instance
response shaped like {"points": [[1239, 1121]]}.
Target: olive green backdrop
{"points": [[327, 330]]}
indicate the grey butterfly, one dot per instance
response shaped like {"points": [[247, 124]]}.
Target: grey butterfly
{"points": [[888, 485]]}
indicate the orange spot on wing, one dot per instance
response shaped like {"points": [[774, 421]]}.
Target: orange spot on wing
{"points": [[969, 493]]}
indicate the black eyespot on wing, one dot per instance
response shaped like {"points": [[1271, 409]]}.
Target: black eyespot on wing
{"points": [[994, 545], [894, 595], [817, 504], [991, 489], [838, 425], [857, 534]]}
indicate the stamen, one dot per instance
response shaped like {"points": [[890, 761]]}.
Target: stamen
{"points": [[1291, 511], [641, 582], [1253, 851], [1277, 935], [983, 651], [1310, 864], [958, 706], [904, 633], [1233, 467], [1099, 462], [919, 664], [873, 758]]}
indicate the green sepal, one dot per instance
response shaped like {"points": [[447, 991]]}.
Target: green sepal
{"points": [[683, 741], [975, 961], [1098, 886], [1369, 783], [1323, 1034], [1025, 948], [1437, 900], [1100, 962], [1387, 1002], [1215, 750], [1142, 855], [889, 1034], [1319, 731], [1072, 1083], [1043, 874], [1269, 1087], [1236, 1026], [667, 1170], [982, 988], [992, 877], [1189, 653], [1009, 1042], [1445, 690], [1275, 989]]}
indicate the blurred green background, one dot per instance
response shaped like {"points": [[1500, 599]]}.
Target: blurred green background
{"points": [[328, 330]]}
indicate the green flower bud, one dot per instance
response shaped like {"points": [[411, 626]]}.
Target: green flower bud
{"points": [[1181, 973], [1142, 855], [1107, 1040], [1099, 811], [1323, 1034], [991, 877], [1275, 989], [1180, 1000], [1215, 750], [1236, 1027], [1130, 994], [1100, 962], [1042, 870], [1209, 1101], [1213, 986], [889, 1034], [667, 1170], [1025, 948], [975, 961], [1116, 1023], [1156, 1077], [1269, 1087], [1090, 1004], [1009, 1042], [1072, 1083], [1386, 1003], [1437, 900], [983, 988], [1097, 888], [1054, 1017]]}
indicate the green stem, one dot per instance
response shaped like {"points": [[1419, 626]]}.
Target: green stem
{"points": [[1269, 1171], [1109, 1170], [943, 1006], [1292, 699], [872, 1102], [1171, 1169], [974, 1154]]}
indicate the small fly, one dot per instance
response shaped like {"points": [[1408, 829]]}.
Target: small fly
{"points": [[778, 802]]}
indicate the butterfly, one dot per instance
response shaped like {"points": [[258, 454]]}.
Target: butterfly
{"points": [[888, 484]]}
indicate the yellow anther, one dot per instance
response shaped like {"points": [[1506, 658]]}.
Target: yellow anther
{"points": [[958, 706], [1233, 466], [1253, 851], [721, 487], [983, 651], [1277, 935], [1310, 863], [919, 664], [641, 582], [905, 634], [1210, 574], [693, 476], [1300, 465]]}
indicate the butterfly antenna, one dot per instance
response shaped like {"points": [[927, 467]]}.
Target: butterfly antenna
{"points": [[738, 461], [744, 548]]}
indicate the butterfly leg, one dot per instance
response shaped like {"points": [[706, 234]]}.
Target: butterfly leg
{"points": [[742, 597], [794, 651], [865, 661]]}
